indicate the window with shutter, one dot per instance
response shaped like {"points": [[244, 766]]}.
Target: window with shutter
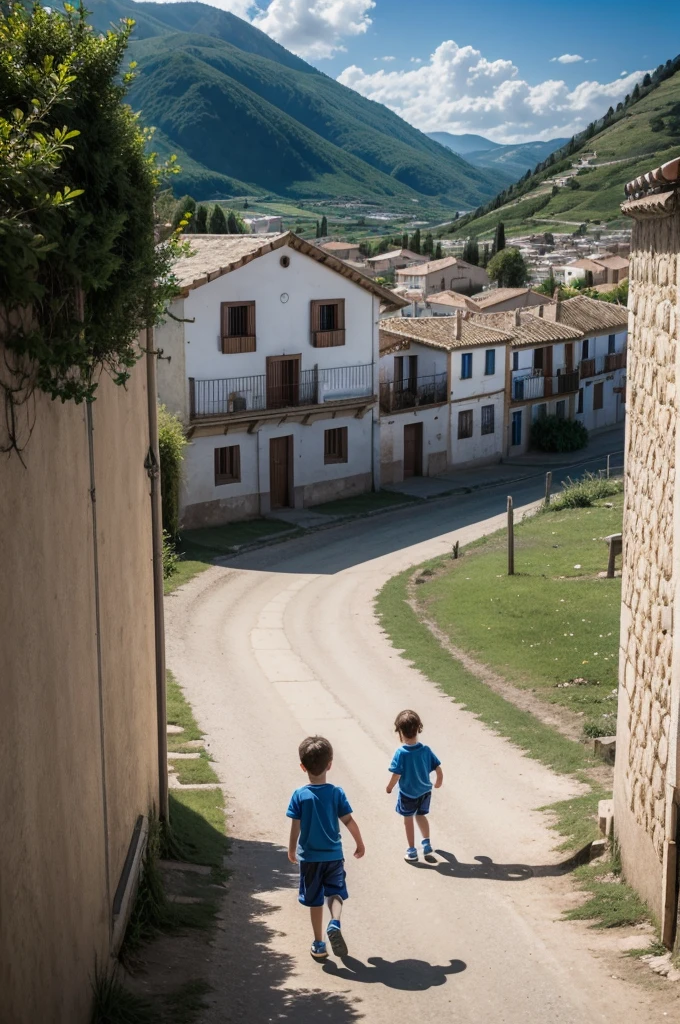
{"points": [[490, 362], [327, 322], [465, 424], [228, 465], [466, 366], [238, 327], [335, 445], [488, 425]]}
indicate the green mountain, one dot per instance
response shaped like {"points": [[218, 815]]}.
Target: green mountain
{"points": [[640, 134], [245, 116], [509, 161]]}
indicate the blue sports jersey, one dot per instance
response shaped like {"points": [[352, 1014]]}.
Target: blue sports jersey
{"points": [[318, 809], [413, 763]]}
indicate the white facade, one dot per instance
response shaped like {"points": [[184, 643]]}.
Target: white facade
{"points": [[225, 398], [481, 391], [602, 393]]}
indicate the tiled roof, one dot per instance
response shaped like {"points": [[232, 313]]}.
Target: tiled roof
{"points": [[503, 295], [393, 255], [658, 180], [449, 298], [338, 246], [438, 332], [525, 327], [433, 266], [588, 315], [587, 263], [612, 262], [216, 255]]}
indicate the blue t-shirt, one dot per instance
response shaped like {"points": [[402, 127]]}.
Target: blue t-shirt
{"points": [[318, 809], [413, 763]]}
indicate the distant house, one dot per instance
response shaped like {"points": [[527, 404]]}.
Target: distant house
{"points": [[342, 250], [442, 394], [597, 270], [447, 274], [264, 225], [272, 371], [496, 300], [394, 260]]}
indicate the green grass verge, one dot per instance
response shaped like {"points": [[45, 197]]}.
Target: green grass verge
{"points": [[576, 820], [195, 771], [552, 628], [178, 712], [611, 903], [538, 741], [185, 570], [360, 504], [198, 826]]}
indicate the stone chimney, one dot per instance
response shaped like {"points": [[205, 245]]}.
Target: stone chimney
{"points": [[459, 325], [518, 317], [540, 311]]}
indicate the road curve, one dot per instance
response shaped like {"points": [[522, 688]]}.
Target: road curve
{"points": [[283, 642]]}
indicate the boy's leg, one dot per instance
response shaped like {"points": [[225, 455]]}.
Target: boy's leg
{"points": [[410, 832], [316, 914], [424, 825], [335, 905]]}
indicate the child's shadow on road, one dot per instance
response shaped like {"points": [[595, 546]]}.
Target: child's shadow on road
{"points": [[408, 975], [486, 868]]}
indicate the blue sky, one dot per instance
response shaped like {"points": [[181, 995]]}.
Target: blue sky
{"points": [[510, 71]]}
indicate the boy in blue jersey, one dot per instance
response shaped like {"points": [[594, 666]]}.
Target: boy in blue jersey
{"points": [[315, 843], [411, 767]]}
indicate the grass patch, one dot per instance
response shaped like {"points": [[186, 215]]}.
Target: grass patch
{"points": [[185, 570], [576, 820], [584, 493], [539, 741], [195, 771], [197, 826], [360, 504], [554, 626], [612, 903], [178, 712]]}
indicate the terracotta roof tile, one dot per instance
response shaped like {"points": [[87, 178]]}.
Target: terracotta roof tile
{"points": [[526, 328], [438, 332], [658, 180], [434, 265], [588, 315], [338, 246], [490, 298]]}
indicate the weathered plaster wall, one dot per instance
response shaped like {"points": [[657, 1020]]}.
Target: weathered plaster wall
{"points": [[649, 672], [72, 781]]}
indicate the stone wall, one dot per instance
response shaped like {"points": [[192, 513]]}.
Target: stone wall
{"points": [[649, 667]]}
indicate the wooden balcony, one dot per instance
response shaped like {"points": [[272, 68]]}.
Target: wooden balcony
{"points": [[412, 392]]}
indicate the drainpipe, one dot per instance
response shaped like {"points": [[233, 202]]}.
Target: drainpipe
{"points": [[153, 468]]}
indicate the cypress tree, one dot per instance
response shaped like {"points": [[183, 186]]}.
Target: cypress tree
{"points": [[428, 244], [404, 240], [201, 220], [438, 251], [217, 224], [500, 236], [324, 226], [232, 224], [318, 230], [414, 245]]}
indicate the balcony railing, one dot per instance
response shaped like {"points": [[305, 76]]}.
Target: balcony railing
{"points": [[537, 386], [233, 395], [602, 364], [412, 392]]}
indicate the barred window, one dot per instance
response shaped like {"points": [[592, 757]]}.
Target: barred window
{"points": [[465, 424], [228, 465], [335, 445], [488, 419]]}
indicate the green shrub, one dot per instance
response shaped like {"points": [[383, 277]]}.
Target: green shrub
{"points": [[171, 445], [170, 556], [551, 434], [584, 493]]}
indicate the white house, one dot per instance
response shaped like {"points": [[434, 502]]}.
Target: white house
{"points": [[442, 395], [270, 365], [447, 274], [394, 260]]}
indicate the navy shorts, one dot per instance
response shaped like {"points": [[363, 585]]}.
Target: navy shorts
{"points": [[407, 806], [319, 879]]}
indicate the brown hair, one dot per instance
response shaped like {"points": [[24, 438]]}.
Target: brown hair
{"points": [[408, 724], [316, 754]]}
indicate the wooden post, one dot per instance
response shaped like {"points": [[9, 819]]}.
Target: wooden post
{"points": [[511, 538], [548, 486]]}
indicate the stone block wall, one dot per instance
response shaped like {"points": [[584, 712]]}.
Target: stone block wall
{"points": [[649, 666]]}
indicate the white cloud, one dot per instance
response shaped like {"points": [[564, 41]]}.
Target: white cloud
{"points": [[416, 60], [623, 74], [314, 28], [567, 58], [459, 90], [384, 58]]}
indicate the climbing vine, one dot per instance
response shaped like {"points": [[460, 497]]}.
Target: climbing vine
{"points": [[81, 272]]}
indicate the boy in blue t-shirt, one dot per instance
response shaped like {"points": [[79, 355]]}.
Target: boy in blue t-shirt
{"points": [[316, 845], [411, 767]]}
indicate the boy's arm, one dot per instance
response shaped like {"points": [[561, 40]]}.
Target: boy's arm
{"points": [[439, 776], [353, 830], [392, 783], [292, 841]]}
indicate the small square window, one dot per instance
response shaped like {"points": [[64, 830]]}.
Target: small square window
{"points": [[464, 424], [335, 445], [228, 465], [238, 327], [488, 419], [490, 362], [466, 366]]}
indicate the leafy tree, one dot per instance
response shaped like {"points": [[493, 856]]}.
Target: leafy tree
{"points": [[185, 210], [646, 81], [657, 124], [619, 108], [548, 238], [77, 213], [171, 445], [550, 434], [324, 226], [201, 220], [217, 225], [438, 251], [499, 240], [508, 268], [428, 244]]}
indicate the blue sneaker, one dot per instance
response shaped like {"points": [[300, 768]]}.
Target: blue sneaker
{"points": [[318, 950], [335, 937], [411, 853], [427, 847]]}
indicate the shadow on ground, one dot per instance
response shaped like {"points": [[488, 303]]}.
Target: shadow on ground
{"points": [[407, 975], [484, 867]]}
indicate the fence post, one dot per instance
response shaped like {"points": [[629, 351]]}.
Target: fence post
{"points": [[608, 458], [548, 486], [511, 538]]}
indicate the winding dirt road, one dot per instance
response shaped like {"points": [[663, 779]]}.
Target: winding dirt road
{"points": [[283, 643]]}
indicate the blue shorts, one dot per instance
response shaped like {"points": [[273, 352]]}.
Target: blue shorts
{"points": [[407, 806], [319, 879]]}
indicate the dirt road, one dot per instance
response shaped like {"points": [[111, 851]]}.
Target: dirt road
{"points": [[283, 643]]}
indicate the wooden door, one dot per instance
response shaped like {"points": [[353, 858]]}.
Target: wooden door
{"points": [[283, 381], [413, 450], [281, 471]]}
